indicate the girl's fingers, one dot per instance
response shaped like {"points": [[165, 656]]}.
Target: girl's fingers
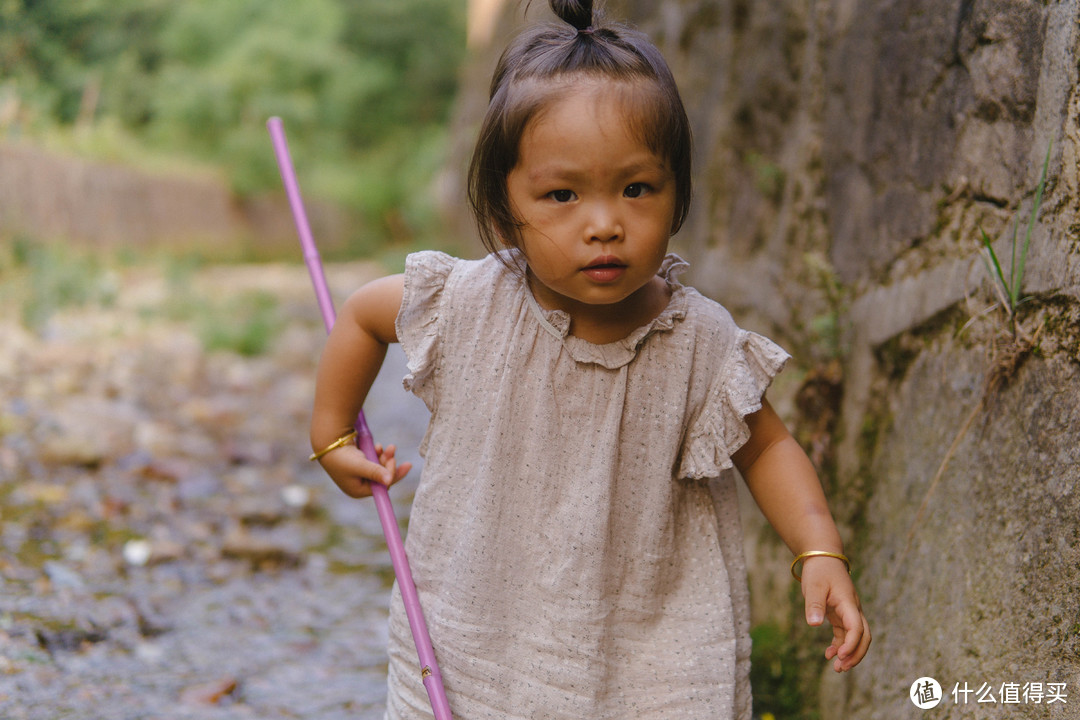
{"points": [[831, 596], [357, 481], [851, 637], [353, 472], [389, 461], [815, 594], [846, 661]]}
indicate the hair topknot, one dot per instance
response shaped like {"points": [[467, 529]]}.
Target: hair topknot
{"points": [[578, 13]]}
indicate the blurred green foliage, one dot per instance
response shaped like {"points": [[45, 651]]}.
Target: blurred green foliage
{"points": [[38, 279], [364, 87], [774, 675]]}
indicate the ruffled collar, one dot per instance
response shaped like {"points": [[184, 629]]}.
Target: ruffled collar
{"points": [[614, 355]]}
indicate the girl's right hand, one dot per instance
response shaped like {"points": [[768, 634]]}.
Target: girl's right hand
{"points": [[351, 471], [350, 362]]}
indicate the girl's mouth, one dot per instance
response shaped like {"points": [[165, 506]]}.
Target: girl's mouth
{"points": [[605, 269]]}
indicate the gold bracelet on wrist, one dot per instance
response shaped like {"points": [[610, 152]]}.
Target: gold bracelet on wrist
{"points": [[817, 553], [340, 442]]}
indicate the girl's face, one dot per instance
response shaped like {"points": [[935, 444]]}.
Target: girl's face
{"points": [[597, 206]]}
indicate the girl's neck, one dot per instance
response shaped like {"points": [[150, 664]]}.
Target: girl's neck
{"points": [[602, 324]]}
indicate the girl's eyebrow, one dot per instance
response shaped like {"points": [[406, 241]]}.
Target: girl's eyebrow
{"points": [[554, 171]]}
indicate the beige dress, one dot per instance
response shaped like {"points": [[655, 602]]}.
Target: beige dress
{"points": [[575, 536]]}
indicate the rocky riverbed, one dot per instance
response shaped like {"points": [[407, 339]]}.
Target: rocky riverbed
{"points": [[166, 549]]}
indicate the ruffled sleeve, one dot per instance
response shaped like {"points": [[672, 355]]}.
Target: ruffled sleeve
{"points": [[720, 428], [418, 320]]}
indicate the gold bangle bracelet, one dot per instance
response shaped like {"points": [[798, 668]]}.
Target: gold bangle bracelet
{"points": [[340, 442], [817, 553]]}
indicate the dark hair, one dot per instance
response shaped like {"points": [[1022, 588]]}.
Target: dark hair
{"points": [[539, 66]]}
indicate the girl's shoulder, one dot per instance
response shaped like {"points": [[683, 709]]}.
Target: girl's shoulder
{"points": [[702, 311], [707, 319], [437, 284], [440, 266], [718, 341]]}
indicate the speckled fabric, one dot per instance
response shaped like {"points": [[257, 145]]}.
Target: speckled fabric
{"points": [[575, 536]]}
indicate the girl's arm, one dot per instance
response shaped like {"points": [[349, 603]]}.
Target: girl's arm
{"points": [[786, 488], [352, 357]]}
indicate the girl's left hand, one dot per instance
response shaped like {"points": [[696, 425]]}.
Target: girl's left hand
{"points": [[830, 595]]}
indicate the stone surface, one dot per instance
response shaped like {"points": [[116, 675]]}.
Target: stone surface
{"points": [[881, 137]]}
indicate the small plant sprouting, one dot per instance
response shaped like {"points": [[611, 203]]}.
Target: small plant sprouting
{"points": [[1008, 289]]}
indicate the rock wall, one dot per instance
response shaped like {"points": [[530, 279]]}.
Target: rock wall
{"points": [[848, 156]]}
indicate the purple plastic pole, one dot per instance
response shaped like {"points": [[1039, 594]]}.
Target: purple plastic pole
{"points": [[429, 668]]}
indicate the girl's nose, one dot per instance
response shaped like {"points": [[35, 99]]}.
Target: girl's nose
{"points": [[603, 224]]}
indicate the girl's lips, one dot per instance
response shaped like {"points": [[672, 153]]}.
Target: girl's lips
{"points": [[605, 269]]}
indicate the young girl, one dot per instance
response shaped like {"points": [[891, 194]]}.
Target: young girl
{"points": [[575, 537]]}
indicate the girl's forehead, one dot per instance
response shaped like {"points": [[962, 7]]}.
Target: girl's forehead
{"points": [[629, 95], [582, 105], [585, 135], [618, 106]]}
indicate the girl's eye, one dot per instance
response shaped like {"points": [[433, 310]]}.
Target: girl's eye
{"points": [[636, 190], [561, 196]]}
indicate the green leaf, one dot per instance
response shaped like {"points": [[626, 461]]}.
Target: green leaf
{"points": [[1015, 290], [997, 276]]}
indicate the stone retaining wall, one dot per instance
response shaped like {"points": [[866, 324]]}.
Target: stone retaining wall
{"points": [[847, 155], [49, 196]]}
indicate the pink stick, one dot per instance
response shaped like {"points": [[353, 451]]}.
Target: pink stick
{"points": [[429, 668]]}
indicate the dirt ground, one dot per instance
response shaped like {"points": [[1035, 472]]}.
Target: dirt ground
{"points": [[166, 549]]}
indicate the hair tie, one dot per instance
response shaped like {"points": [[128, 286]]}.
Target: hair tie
{"points": [[586, 31]]}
